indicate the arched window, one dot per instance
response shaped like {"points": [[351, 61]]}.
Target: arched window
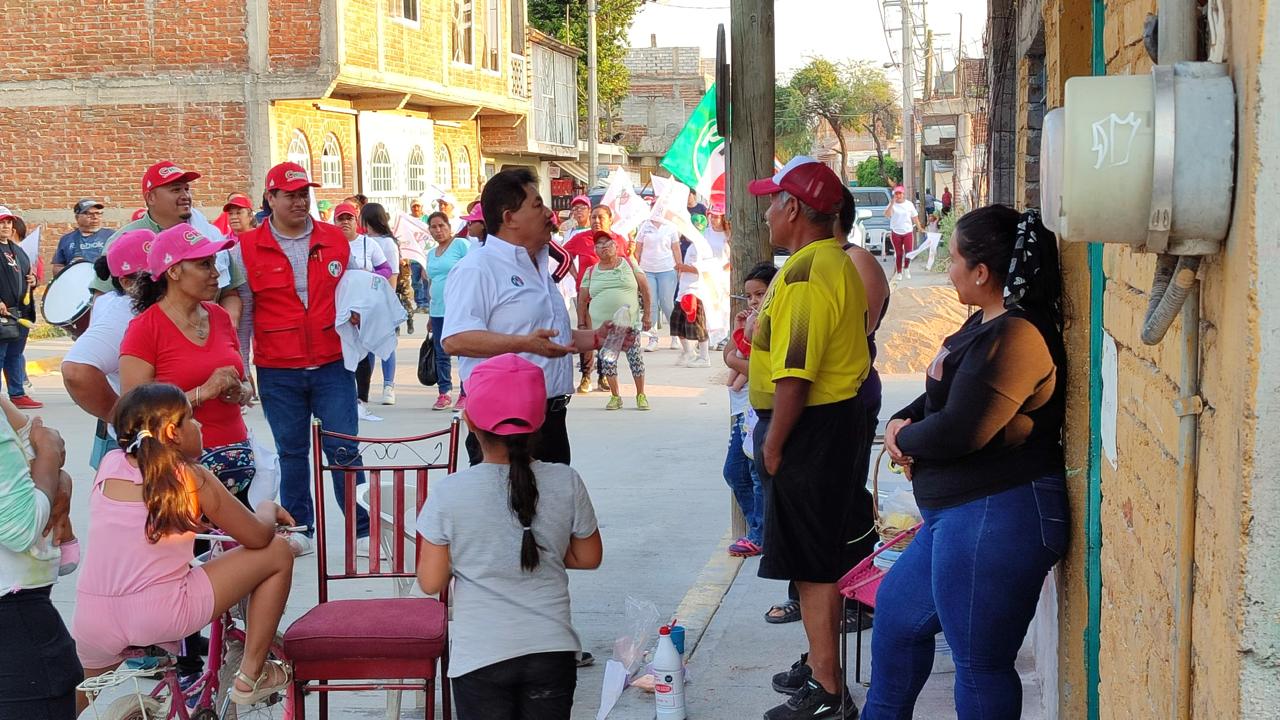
{"points": [[464, 168], [381, 175], [444, 168], [331, 163], [417, 174], [300, 151]]}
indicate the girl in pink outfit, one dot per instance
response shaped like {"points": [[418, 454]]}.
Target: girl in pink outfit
{"points": [[137, 586]]}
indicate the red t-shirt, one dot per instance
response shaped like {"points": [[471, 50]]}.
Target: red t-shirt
{"points": [[582, 247], [153, 337]]}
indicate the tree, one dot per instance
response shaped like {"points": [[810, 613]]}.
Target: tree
{"points": [[613, 20], [874, 171], [849, 96]]}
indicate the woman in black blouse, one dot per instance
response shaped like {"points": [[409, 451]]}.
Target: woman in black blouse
{"points": [[983, 449]]}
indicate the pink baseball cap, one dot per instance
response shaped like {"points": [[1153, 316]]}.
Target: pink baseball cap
{"points": [[289, 176], [128, 254], [581, 200], [476, 215], [178, 243], [899, 189], [717, 208], [165, 173], [507, 395], [808, 180]]}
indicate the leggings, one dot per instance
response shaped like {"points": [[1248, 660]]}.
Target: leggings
{"points": [[364, 374], [902, 244]]}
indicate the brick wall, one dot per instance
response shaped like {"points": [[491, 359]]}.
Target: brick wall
{"points": [[52, 41], [316, 125], [294, 34], [664, 61], [466, 137]]}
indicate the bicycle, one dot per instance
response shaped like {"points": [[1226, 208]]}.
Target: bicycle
{"points": [[207, 698]]}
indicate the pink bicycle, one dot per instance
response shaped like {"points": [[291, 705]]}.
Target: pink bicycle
{"points": [[205, 699]]}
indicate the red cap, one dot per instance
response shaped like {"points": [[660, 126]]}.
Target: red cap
{"points": [[165, 173], [581, 200], [808, 180], [345, 208], [238, 201], [507, 395], [288, 176], [181, 242]]}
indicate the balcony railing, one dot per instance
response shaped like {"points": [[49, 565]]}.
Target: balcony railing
{"points": [[519, 76]]}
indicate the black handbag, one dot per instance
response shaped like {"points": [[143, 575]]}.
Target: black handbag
{"points": [[427, 362], [9, 329]]}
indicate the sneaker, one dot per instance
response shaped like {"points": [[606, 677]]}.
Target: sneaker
{"points": [[362, 411], [745, 548], [701, 361], [615, 403], [683, 360], [26, 402], [444, 402], [790, 681], [301, 544], [675, 344], [812, 702], [586, 659], [897, 277], [388, 395], [642, 402], [461, 404], [602, 386], [408, 321], [907, 273], [653, 344], [584, 386]]}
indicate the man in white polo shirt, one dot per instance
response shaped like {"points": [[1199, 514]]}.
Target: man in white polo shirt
{"points": [[503, 298]]}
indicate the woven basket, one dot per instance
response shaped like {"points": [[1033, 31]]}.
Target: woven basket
{"points": [[893, 537]]}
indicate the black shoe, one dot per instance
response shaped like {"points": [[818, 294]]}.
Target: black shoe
{"points": [[812, 702], [586, 659], [790, 681]]}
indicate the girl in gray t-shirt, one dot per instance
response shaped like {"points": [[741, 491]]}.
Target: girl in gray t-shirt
{"points": [[507, 530]]}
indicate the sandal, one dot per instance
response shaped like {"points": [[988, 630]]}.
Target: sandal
{"points": [[256, 692], [787, 612]]}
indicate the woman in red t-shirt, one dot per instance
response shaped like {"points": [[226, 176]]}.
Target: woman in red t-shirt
{"points": [[181, 337]]}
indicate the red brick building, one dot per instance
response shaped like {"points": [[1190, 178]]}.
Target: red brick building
{"points": [[384, 97]]}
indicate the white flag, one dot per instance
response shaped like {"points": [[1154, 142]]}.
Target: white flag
{"points": [[629, 209], [413, 237], [31, 246]]}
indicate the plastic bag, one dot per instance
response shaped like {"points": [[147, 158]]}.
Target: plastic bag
{"points": [[640, 626], [266, 477], [900, 510]]}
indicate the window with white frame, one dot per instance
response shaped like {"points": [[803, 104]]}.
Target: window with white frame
{"points": [[299, 151], [463, 31], [444, 168], [417, 174], [382, 178], [491, 35], [331, 163], [464, 168], [405, 9]]}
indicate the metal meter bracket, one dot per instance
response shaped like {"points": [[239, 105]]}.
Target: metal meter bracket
{"points": [[1164, 137]]}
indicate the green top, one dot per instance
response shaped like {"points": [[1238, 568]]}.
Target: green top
{"points": [[146, 223], [610, 290]]}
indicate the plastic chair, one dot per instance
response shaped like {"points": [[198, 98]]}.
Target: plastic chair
{"points": [[339, 643]]}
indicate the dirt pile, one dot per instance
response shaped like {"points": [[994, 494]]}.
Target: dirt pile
{"points": [[918, 320]]}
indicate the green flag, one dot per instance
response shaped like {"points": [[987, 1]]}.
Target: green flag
{"points": [[696, 145]]}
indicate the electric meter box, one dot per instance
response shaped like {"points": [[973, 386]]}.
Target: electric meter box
{"points": [[1145, 160]]}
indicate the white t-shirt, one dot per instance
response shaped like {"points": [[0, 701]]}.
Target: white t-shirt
{"points": [[900, 221], [655, 240], [500, 611], [366, 254], [498, 288], [690, 282], [99, 346], [390, 250], [716, 239]]}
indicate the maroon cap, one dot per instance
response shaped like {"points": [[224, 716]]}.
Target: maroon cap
{"points": [[165, 173], [345, 208], [808, 180], [288, 176]]}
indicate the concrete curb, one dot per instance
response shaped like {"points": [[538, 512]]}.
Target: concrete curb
{"points": [[701, 602], [44, 366]]}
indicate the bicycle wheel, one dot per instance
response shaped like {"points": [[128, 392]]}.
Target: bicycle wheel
{"points": [[273, 708], [131, 707]]}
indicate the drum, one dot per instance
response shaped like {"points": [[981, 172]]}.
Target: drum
{"points": [[69, 298]]}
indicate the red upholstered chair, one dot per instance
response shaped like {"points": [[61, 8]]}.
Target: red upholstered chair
{"points": [[390, 643]]}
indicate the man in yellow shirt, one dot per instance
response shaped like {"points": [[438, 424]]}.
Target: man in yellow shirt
{"points": [[809, 356]]}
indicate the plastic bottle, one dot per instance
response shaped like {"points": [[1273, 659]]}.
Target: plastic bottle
{"points": [[612, 346], [668, 678]]}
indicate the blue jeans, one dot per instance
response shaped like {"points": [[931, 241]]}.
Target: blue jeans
{"points": [[444, 367], [290, 398], [974, 573], [15, 370], [662, 295], [388, 368], [740, 474], [419, 284]]}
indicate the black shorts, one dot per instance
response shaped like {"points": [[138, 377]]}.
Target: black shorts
{"points": [[39, 669], [817, 510]]}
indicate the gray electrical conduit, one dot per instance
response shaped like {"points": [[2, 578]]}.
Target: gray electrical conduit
{"points": [[1173, 281]]}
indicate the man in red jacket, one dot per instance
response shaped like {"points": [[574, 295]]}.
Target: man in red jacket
{"points": [[293, 265]]}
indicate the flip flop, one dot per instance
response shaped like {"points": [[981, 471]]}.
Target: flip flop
{"points": [[790, 612]]}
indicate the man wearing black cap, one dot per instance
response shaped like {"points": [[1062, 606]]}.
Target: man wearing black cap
{"points": [[87, 241]]}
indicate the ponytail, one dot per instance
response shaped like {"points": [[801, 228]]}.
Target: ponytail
{"points": [[522, 494], [141, 417]]}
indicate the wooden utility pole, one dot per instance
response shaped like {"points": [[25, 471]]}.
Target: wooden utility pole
{"points": [[751, 135]]}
